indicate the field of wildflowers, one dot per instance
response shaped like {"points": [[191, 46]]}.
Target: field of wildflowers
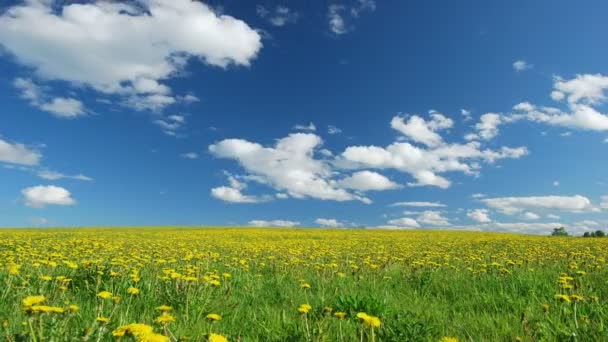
{"points": [[240, 284]]}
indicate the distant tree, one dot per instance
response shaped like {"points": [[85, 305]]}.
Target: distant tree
{"points": [[599, 233], [587, 234], [561, 231]]}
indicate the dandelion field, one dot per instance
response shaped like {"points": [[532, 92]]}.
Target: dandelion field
{"points": [[240, 284]]}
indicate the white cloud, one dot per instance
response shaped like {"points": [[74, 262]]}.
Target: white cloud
{"points": [[478, 195], [425, 164], [466, 115], [233, 195], [513, 205], [273, 223], [190, 155], [479, 215], [16, 153], [553, 217], [367, 181], [310, 127], [171, 124], [289, 166], [280, 16], [422, 131], [339, 15], [487, 128], [433, 218], [333, 130], [530, 216], [419, 204], [404, 222], [521, 65], [586, 88], [41, 196], [54, 175], [130, 48], [523, 227], [60, 107], [325, 222]]}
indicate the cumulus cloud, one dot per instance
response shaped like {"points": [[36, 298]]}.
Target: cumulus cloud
{"points": [[425, 164], [433, 218], [131, 48], [60, 107], [279, 16], [521, 65], [367, 181], [289, 166], [404, 222], [273, 223], [41, 196], [233, 192], [419, 204], [326, 222], [514, 205], [530, 216], [16, 153], [421, 130], [479, 215]]}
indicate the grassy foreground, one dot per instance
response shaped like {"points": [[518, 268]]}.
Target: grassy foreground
{"points": [[299, 285]]}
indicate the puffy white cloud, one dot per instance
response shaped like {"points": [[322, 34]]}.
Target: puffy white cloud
{"points": [[233, 195], [479, 215], [60, 107], [310, 127], [279, 16], [530, 216], [273, 223], [513, 205], [289, 166], [325, 222], [123, 48], [16, 153], [466, 115], [54, 175], [41, 196], [433, 218], [585, 88], [367, 181], [404, 222], [419, 204], [521, 65], [422, 131], [426, 164]]}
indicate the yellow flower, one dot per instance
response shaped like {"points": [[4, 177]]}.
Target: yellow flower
{"points": [[340, 314], [105, 294], [116, 299], [304, 308], [214, 317], [448, 339], [215, 282], [133, 291], [165, 318], [135, 329], [45, 309], [368, 320], [305, 286], [33, 300], [164, 308], [563, 298], [103, 320], [217, 338], [153, 338], [577, 298]]}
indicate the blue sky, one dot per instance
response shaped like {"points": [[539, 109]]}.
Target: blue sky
{"points": [[470, 115]]}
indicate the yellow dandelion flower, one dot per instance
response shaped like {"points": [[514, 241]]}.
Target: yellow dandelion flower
{"points": [[133, 291], [102, 319], [135, 329], [305, 286], [340, 314], [448, 339], [165, 318], [217, 338], [33, 300], [164, 308], [105, 294], [563, 298], [214, 317], [73, 308], [215, 282], [304, 308], [371, 321], [153, 338]]}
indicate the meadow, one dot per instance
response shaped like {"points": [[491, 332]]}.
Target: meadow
{"points": [[242, 284]]}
